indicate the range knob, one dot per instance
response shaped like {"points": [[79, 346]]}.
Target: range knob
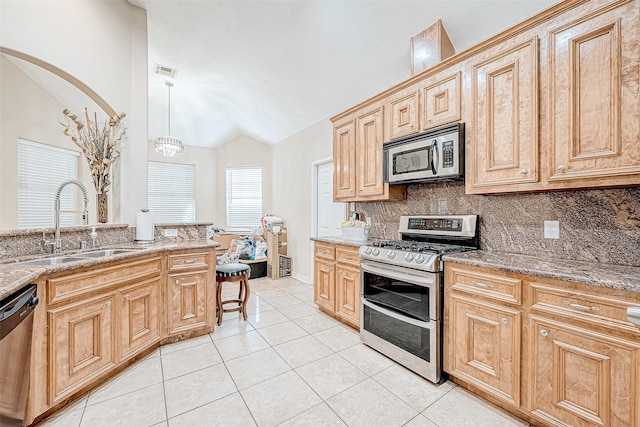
{"points": [[368, 251], [409, 257], [420, 259], [391, 254], [376, 252]]}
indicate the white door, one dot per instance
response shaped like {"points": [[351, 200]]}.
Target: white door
{"points": [[329, 215]]}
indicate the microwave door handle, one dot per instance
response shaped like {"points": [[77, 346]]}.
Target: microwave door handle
{"points": [[435, 157]]}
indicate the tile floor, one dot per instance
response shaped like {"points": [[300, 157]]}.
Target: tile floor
{"points": [[288, 365]]}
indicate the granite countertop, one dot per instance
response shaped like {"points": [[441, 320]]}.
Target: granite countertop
{"points": [[619, 277], [14, 276], [339, 240]]}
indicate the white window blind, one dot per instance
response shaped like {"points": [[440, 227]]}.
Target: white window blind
{"points": [[172, 192], [41, 170], [244, 197]]}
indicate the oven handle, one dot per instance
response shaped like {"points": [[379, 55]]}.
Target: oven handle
{"points": [[386, 312], [394, 274]]}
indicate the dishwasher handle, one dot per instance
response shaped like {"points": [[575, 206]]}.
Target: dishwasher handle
{"points": [[15, 308]]}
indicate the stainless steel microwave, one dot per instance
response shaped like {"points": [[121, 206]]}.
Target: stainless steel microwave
{"points": [[437, 154]]}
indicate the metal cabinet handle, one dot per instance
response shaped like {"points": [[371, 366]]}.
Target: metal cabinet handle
{"points": [[127, 297], [560, 167], [177, 282], [482, 285], [505, 320], [581, 307], [544, 333], [189, 261], [523, 171], [108, 303], [633, 315]]}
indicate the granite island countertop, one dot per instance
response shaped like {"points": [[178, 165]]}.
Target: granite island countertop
{"points": [[339, 240], [619, 277], [14, 276]]}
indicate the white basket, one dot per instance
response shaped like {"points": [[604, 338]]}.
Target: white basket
{"points": [[355, 233]]}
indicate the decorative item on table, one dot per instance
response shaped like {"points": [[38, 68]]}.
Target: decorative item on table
{"points": [[355, 230], [100, 144]]}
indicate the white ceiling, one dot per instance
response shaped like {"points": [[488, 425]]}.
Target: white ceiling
{"points": [[268, 69]]}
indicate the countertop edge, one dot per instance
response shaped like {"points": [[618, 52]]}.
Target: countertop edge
{"points": [[15, 276], [610, 276], [338, 240]]}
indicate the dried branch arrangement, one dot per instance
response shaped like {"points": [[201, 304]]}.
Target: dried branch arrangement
{"points": [[101, 147]]}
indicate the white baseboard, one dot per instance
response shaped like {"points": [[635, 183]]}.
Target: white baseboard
{"points": [[302, 278]]}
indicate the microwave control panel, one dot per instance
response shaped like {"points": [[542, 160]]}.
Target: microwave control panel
{"points": [[447, 154]]}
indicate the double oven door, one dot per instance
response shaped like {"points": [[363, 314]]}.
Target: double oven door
{"points": [[401, 316]]}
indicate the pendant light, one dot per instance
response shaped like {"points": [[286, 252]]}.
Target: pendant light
{"points": [[168, 145]]}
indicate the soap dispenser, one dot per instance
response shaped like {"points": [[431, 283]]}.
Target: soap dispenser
{"points": [[94, 238]]}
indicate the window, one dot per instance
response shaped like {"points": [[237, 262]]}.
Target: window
{"points": [[41, 170], [172, 192], [244, 197]]}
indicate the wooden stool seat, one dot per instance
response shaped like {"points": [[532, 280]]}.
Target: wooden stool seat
{"points": [[235, 272]]}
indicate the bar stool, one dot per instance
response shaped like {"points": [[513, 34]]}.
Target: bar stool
{"points": [[235, 272]]}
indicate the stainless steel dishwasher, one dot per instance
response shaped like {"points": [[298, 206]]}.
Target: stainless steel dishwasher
{"points": [[16, 324]]}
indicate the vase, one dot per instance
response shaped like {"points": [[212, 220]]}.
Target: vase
{"points": [[103, 208]]}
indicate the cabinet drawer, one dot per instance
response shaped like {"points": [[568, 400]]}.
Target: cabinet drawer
{"points": [[582, 305], [325, 252], [70, 286], [499, 288], [348, 256], [187, 261]]}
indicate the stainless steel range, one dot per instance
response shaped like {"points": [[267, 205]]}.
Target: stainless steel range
{"points": [[402, 289]]}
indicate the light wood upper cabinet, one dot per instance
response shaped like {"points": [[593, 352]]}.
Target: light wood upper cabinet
{"points": [[594, 123], [82, 345], [404, 113], [369, 140], [583, 378], [504, 135], [344, 159], [441, 101]]}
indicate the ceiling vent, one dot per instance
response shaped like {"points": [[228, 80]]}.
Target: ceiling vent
{"points": [[163, 70]]}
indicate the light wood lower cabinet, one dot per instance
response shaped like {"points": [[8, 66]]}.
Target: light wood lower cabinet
{"points": [[93, 321], [82, 344], [190, 292], [583, 378], [337, 281], [564, 354]]}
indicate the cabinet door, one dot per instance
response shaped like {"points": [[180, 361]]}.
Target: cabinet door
{"points": [[442, 102], [140, 310], [324, 284], [369, 140], [404, 115], [187, 304], [348, 294], [504, 143], [81, 338], [486, 347], [583, 378], [594, 99], [344, 159]]}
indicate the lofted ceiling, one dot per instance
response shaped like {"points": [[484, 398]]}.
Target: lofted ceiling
{"points": [[268, 69]]}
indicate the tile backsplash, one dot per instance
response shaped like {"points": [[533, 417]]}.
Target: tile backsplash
{"points": [[595, 225]]}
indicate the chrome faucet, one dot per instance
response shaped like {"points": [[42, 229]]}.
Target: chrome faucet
{"points": [[57, 243]]}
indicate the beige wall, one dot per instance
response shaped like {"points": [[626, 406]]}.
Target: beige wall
{"points": [[104, 45], [292, 189], [243, 151], [27, 111], [204, 160]]}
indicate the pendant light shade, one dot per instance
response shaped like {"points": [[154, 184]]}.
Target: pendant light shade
{"points": [[168, 145]]}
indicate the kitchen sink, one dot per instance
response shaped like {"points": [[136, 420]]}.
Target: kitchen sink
{"points": [[104, 252], [51, 261]]}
